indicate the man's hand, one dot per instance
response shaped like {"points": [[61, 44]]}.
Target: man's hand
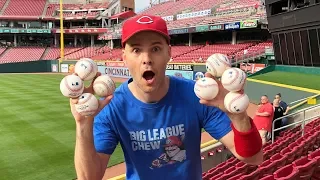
{"points": [[102, 103], [218, 101]]}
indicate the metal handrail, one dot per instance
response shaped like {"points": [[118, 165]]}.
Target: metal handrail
{"points": [[292, 124]]}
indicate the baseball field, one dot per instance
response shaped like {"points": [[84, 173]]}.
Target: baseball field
{"points": [[38, 132], [37, 129]]}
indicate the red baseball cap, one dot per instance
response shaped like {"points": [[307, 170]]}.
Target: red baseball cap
{"points": [[141, 23]]}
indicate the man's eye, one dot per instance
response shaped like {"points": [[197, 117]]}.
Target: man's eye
{"points": [[155, 49], [135, 50]]}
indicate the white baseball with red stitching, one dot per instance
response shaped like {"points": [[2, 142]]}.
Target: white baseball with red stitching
{"points": [[206, 88], [233, 79], [103, 86], [87, 104], [236, 102], [217, 63], [71, 86], [86, 69]]}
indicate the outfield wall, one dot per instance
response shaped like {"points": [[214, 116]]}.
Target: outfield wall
{"points": [[30, 67]]}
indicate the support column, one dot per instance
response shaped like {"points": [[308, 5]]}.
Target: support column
{"points": [[234, 37], [111, 44], [15, 40], [190, 39], [75, 43], [92, 40], [55, 40]]}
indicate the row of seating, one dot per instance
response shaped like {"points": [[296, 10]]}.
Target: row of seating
{"points": [[290, 157], [38, 7], [181, 54]]}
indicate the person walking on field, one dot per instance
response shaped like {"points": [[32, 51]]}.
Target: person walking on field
{"points": [[157, 119]]}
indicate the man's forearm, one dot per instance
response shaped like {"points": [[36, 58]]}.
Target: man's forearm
{"points": [[87, 162], [241, 122]]}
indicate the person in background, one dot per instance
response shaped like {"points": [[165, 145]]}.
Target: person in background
{"points": [[285, 108], [263, 118], [278, 112]]}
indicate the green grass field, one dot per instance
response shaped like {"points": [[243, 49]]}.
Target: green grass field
{"points": [[37, 129], [294, 79]]}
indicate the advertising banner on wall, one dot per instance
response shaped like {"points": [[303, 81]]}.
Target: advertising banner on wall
{"points": [[180, 70], [120, 72], [54, 67], [194, 14], [198, 75], [64, 68], [235, 25], [252, 68], [248, 24]]}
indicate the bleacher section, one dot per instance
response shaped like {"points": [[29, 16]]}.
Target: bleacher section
{"points": [[290, 157], [25, 8], [180, 54]]}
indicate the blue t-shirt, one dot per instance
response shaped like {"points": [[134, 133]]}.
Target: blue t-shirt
{"points": [[283, 105], [159, 140]]}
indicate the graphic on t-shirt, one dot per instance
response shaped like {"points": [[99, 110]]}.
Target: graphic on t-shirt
{"points": [[174, 152]]}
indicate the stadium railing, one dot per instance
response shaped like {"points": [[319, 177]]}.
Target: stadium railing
{"points": [[302, 122]]}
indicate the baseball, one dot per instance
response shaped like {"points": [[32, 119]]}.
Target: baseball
{"points": [[217, 63], [103, 86], [87, 104], [236, 102], [86, 69], [206, 88], [71, 86], [233, 79]]}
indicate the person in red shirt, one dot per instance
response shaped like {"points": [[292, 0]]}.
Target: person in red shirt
{"points": [[263, 118]]}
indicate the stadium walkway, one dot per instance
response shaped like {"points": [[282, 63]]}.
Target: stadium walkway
{"points": [[120, 169]]}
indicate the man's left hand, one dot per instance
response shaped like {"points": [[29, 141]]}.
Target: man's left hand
{"points": [[218, 101]]}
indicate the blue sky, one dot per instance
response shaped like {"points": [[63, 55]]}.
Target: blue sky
{"points": [[141, 4]]}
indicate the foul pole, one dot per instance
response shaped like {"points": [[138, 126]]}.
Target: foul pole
{"points": [[61, 35]]}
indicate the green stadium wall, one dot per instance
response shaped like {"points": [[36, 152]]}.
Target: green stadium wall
{"points": [[28, 67], [284, 68]]}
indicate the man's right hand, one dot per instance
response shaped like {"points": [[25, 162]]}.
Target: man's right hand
{"points": [[102, 103]]}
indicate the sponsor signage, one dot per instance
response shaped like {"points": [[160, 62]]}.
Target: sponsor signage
{"points": [[120, 72], [202, 28], [17, 31], [179, 31], [180, 67], [168, 18], [235, 25], [181, 74], [216, 27], [82, 31], [248, 24], [252, 68], [194, 14], [198, 75]]}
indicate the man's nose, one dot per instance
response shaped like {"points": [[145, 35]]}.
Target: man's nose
{"points": [[146, 59]]}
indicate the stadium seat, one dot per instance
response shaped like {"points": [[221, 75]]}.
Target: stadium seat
{"points": [[252, 176], [279, 160], [305, 167], [289, 153], [315, 155], [287, 172], [267, 168], [268, 177]]}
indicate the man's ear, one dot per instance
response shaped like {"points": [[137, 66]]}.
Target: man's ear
{"points": [[169, 53], [124, 58]]}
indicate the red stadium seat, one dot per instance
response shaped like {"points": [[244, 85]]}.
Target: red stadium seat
{"points": [[316, 157], [286, 173], [279, 160], [268, 177], [252, 176], [305, 167]]}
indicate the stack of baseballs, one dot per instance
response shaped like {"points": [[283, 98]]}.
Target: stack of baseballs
{"points": [[232, 79], [72, 86]]}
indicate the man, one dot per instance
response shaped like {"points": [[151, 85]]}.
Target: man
{"points": [[263, 118], [285, 108], [157, 118], [278, 112]]}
